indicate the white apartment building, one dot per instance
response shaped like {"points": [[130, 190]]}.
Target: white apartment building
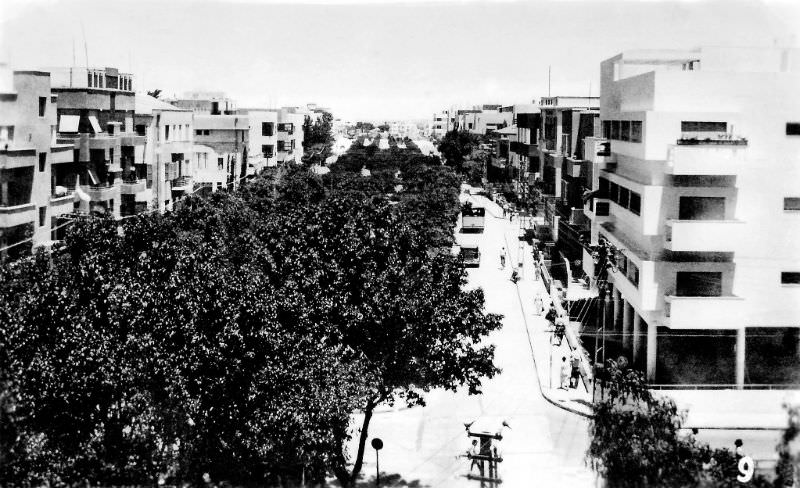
{"points": [[702, 180], [263, 138], [169, 150], [290, 135], [443, 122], [220, 151]]}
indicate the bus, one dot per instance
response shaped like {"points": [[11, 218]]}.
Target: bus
{"points": [[472, 219]]}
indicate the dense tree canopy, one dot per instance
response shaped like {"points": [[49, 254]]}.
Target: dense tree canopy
{"points": [[636, 441], [236, 335]]}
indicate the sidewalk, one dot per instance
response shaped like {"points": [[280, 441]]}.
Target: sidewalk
{"points": [[547, 358]]}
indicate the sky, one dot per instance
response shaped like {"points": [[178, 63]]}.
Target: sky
{"points": [[374, 60]]}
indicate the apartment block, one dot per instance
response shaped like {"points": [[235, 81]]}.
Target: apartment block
{"points": [[169, 152], [35, 195], [263, 138], [220, 151], [695, 205], [95, 114], [443, 122], [290, 135]]}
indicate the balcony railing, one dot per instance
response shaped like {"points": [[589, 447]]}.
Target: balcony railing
{"points": [[131, 186], [182, 183], [702, 235], [13, 215], [723, 312], [706, 159]]}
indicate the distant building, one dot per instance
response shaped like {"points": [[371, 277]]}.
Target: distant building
{"points": [[263, 138], [169, 151], [37, 173], [290, 135], [220, 151], [212, 103], [96, 114]]}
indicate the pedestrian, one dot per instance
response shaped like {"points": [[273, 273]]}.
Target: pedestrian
{"points": [[738, 451], [560, 330], [537, 305], [575, 373], [565, 370], [471, 453], [504, 211], [503, 258]]}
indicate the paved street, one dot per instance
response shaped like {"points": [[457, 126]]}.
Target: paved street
{"points": [[545, 445]]}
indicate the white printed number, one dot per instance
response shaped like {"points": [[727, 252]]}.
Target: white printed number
{"points": [[746, 468]]}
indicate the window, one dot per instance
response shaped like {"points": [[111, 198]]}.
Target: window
{"points": [[166, 132], [701, 208], [691, 126], [220, 163], [793, 128], [633, 273], [198, 132], [42, 160], [636, 131], [267, 150], [698, 284], [266, 129], [602, 189], [607, 129], [42, 106], [635, 205], [141, 130], [601, 209], [7, 133], [615, 129], [624, 196], [625, 130], [790, 278], [42, 216], [281, 145], [613, 192], [791, 203]]}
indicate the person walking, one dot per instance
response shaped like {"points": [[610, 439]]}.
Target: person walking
{"points": [[739, 451], [575, 373], [565, 370], [503, 258], [537, 304]]}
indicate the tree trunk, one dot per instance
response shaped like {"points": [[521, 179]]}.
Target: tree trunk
{"points": [[362, 440]]}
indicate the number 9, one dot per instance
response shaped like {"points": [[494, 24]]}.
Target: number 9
{"points": [[746, 467]]}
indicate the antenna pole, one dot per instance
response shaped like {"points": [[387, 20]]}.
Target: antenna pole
{"points": [[85, 47], [548, 79]]}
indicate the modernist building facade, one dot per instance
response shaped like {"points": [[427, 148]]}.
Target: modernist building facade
{"points": [[169, 152], [35, 193], [696, 196], [96, 115], [262, 139]]}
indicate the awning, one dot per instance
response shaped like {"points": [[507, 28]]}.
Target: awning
{"points": [[68, 123], [95, 124]]}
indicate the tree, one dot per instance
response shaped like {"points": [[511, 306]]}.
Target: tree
{"points": [[456, 146], [636, 440]]}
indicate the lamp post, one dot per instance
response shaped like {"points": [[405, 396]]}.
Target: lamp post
{"points": [[377, 444]]}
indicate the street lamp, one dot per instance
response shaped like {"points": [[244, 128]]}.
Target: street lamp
{"points": [[377, 444]]}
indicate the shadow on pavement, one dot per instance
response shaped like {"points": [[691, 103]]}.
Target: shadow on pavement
{"points": [[393, 480]]}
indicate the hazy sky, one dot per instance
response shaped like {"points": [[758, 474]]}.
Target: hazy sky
{"points": [[374, 60]]}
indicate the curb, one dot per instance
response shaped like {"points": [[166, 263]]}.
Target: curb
{"points": [[556, 403]]}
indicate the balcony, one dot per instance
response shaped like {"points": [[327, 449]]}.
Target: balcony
{"points": [[101, 193], [63, 203], [133, 186], [183, 183], [571, 167], [706, 159], [724, 312], [14, 215], [702, 235]]}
